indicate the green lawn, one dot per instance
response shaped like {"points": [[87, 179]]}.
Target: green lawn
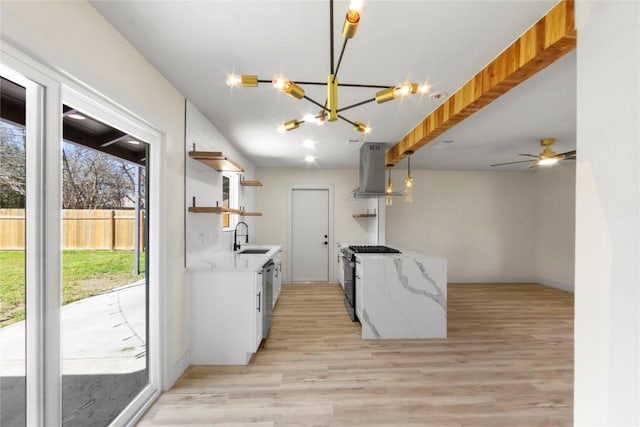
{"points": [[84, 273]]}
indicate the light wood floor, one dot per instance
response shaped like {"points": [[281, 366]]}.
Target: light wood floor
{"points": [[507, 361]]}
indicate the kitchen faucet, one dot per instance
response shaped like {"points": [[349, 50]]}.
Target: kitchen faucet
{"points": [[236, 245]]}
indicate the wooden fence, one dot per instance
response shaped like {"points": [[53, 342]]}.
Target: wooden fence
{"points": [[81, 229]]}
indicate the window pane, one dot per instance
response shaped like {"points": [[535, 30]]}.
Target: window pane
{"points": [[104, 313], [12, 255]]}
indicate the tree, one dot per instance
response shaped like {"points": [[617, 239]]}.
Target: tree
{"points": [[12, 165], [91, 179], [94, 180]]}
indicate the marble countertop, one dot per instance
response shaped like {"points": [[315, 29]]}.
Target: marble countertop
{"points": [[405, 253], [234, 261]]}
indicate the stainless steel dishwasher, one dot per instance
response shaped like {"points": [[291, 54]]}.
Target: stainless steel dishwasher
{"points": [[267, 297]]}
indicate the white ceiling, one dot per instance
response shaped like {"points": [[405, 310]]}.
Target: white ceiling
{"points": [[196, 43]]}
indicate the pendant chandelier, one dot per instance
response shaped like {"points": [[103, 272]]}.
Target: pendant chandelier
{"points": [[388, 191], [330, 110], [408, 181]]}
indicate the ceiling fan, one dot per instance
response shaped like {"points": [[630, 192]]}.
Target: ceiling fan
{"points": [[547, 157]]}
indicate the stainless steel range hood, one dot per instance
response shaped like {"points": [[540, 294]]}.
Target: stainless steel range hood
{"points": [[372, 173]]}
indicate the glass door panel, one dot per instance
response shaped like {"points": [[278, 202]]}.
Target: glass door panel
{"points": [[12, 254], [104, 313]]}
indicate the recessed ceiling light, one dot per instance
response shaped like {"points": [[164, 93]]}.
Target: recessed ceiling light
{"points": [[438, 95], [310, 159], [133, 142], [76, 116], [307, 143]]}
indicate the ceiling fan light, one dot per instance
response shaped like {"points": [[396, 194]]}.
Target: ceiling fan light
{"points": [[362, 128], [287, 126], [547, 161]]}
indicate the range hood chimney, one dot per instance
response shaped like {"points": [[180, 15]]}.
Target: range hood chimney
{"points": [[372, 173]]}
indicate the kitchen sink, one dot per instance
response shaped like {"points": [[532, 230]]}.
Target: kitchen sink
{"points": [[254, 251]]}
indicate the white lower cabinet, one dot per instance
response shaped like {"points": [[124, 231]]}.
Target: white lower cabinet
{"points": [[225, 317], [258, 289]]}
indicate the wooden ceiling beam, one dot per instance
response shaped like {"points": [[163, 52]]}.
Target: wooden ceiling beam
{"points": [[548, 40]]}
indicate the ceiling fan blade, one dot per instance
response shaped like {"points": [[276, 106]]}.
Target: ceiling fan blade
{"points": [[567, 154], [512, 163], [528, 155], [535, 165]]}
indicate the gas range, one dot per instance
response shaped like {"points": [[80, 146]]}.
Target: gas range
{"points": [[373, 249]]}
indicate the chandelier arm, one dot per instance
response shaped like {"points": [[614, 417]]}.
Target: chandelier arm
{"points": [[365, 86], [331, 33], [311, 83], [324, 107], [339, 84], [347, 120], [357, 104], [344, 45]]}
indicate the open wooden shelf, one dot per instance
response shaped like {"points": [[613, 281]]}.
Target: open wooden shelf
{"points": [[220, 209], [251, 182], [365, 215], [212, 209], [216, 160]]}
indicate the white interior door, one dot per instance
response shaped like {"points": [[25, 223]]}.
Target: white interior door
{"points": [[310, 235]]}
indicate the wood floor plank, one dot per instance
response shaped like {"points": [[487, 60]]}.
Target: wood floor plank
{"points": [[508, 360]]}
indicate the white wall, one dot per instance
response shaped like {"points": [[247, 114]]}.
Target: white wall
{"points": [[272, 201], [482, 222], [204, 230], [554, 233], [607, 316], [491, 226], [72, 38]]}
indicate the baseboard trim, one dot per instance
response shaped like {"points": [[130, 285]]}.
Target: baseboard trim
{"points": [[569, 287], [177, 370]]}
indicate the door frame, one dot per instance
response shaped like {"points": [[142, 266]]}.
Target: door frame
{"points": [[290, 190], [44, 237]]}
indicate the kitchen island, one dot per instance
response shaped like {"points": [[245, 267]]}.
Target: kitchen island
{"points": [[401, 295]]}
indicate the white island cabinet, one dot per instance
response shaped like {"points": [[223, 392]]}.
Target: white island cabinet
{"points": [[226, 304], [401, 295]]}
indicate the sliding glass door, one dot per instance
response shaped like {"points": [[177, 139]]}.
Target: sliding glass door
{"points": [[79, 282]]}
